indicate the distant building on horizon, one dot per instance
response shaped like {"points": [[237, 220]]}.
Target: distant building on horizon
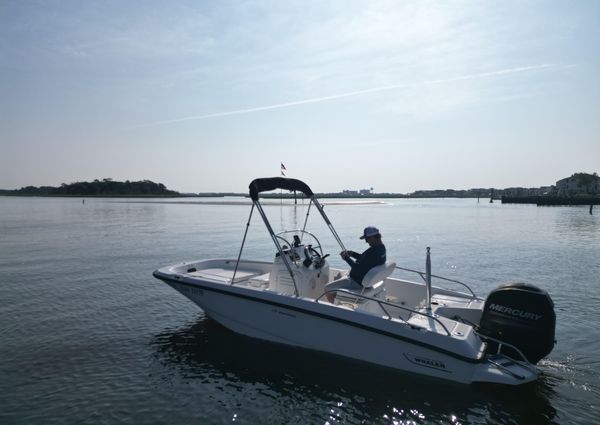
{"points": [[528, 191], [579, 184], [357, 192]]}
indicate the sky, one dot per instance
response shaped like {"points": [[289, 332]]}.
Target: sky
{"points": [[205, 96]]}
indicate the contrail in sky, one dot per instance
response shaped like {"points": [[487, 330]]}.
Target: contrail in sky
{"points": [[350, 94]]}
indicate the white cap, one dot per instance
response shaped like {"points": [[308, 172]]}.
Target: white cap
{"points": [[369, 231]]}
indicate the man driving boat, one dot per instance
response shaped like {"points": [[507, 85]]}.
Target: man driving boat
{"points": [[360, 264]]}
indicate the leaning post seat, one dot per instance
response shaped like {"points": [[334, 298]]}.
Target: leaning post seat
{"points": [[372, 283], [378, 274]]}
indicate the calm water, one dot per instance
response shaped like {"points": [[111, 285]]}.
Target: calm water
{"points": [[87, 334]]}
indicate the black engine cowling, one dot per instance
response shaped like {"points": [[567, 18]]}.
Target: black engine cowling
{"points": [[521, 315]]}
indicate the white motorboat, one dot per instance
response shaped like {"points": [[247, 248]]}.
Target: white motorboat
{"points": [[393, 322]]}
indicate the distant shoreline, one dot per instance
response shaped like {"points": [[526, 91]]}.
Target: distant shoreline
{"points": [[97, 188], [270, 202], [263, 196], [22, 195], [147, 189], [356, 199], [552, 200]]}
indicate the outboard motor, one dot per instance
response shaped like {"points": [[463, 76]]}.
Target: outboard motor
{"points": [[521, 315]]}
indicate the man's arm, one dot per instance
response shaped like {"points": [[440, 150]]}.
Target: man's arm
{"points": [[346, 256], [354, 254]]}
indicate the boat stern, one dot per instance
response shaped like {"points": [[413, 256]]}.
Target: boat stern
{"points": [[500, 369]]}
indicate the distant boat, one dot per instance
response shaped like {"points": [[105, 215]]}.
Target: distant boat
{"points": [[397, 323]]}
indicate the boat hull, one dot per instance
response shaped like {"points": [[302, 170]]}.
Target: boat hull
{"points": [[323, 327]]}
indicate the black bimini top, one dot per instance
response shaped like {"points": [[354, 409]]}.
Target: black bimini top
{"points": [[267, 184]]}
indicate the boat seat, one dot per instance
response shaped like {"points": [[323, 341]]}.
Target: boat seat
{"points": [[378, 274], [372, 283]]}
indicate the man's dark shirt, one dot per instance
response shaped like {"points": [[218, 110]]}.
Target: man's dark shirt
{"points": [[374, 256]]}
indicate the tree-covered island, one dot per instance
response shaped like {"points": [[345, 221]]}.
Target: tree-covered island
{"points": [[104, 187]]}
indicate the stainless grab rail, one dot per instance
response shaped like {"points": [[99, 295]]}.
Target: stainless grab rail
{"points": [[381, 304], [523, 361], [424, 277]]}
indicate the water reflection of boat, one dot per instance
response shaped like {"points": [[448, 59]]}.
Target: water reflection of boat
{"points": [[205, 353], [203, 347], [392, 322]]}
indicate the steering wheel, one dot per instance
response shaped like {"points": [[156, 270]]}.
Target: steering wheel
{"points": [[287, 248], [313, 256]]}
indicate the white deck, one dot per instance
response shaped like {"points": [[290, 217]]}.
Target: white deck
{"points": [[225, 275]]}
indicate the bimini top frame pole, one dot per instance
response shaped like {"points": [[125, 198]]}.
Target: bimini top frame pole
{"points": [[284, 257], [272, 183], [268, 184], [242, 247], [322, 211]]}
